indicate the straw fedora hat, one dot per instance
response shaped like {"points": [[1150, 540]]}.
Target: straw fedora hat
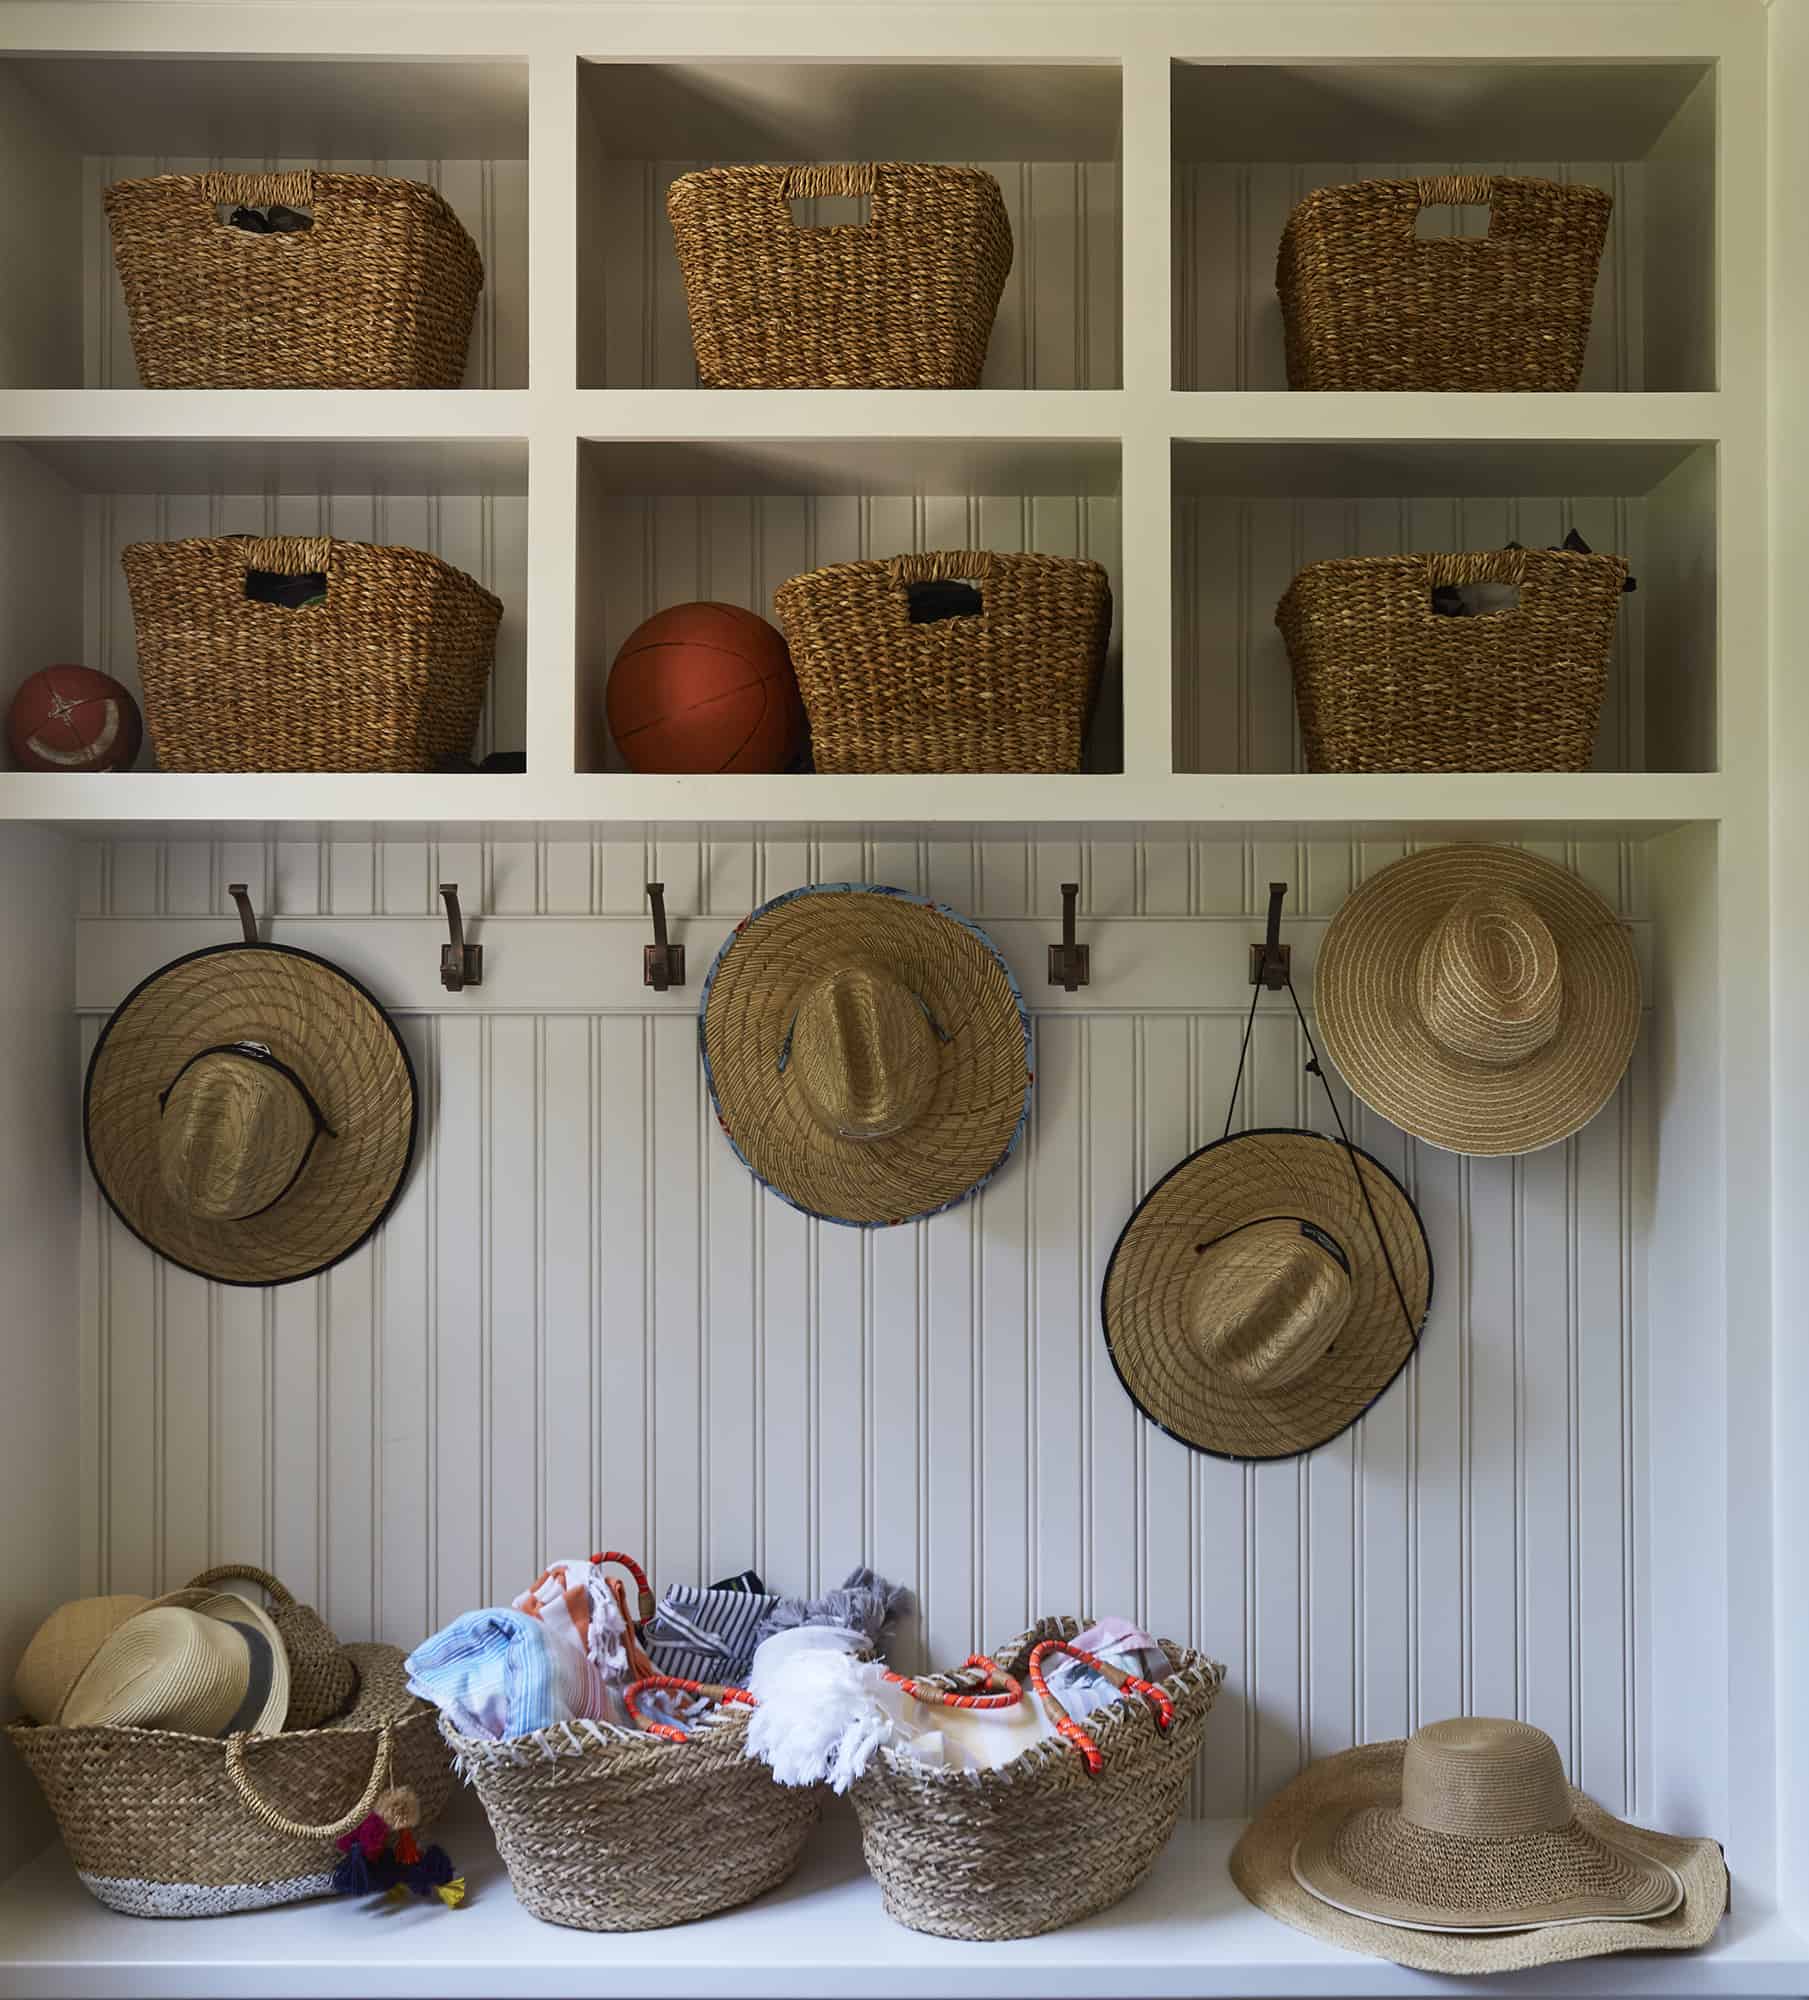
{"points": [[205, 1662], [1482, 999], [867, 1051], [1251, 1308], [250, 1113], [1464, 1850]]}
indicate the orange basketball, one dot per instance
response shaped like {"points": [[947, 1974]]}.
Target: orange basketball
{"points": [[69, 718], [705, 687]]}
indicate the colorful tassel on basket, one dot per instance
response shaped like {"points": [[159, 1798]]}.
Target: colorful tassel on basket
{"points": [[383, 1856]]}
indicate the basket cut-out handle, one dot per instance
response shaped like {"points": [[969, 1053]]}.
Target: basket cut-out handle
{"points": [[937, 565], [1124, 1682], [1445, 569], [1458, 191], [1001, 1691], [296, 1829], [279, 1594], [294, 189], [711, 1691], [802, 183], [288, 555]]}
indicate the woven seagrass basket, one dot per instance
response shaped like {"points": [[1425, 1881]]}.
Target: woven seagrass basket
{"points": [[1382, 682], [378, 294], [1006, 684], [1368, 305], [609, 1829], [1042, 1841], [386, 673], [904, 300]]}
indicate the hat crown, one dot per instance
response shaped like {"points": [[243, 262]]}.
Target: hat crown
{"points": [[1264, 1303], [1483, 1777], [170, 1667], [235, 1132], [62, 1647], [1490, 983], [864, 1051]]}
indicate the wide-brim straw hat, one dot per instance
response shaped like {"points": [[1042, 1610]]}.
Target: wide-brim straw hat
{"points": [[1483, 999], [1464, 1850], [868, 1052], [250, 1113], [1249, 1305]]}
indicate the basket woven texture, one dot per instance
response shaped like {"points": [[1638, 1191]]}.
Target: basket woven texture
{"points": [[904, 300], [609, 1829], [1009, 688], [1368, 305], [387, 674], [161, 1824], [1382, 682], [379, 294], [322, 1680], [1037, 1843]]}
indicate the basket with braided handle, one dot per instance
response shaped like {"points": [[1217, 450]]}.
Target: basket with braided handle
{"points": [[322, 1679]]}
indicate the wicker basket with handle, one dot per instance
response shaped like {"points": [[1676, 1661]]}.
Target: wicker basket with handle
{"points": [[378, 294], [322, 1680], [1005, 684], [386, 673], [903, 300], [1368, 304], [1382, 682]]}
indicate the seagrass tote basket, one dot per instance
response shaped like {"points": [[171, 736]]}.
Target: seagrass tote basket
{"points": [[899, 673], [378, 294], [164, 1824], [1367, 304], [1049, 1838], [903, 300], [1382, 682], [385, 671]]}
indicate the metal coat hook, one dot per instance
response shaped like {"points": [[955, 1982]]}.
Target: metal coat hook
{"points": [[461, 964], [1271, 962], [662, 962], [248, 922], [1070, 964]]}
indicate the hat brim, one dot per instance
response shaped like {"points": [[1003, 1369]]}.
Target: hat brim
{"points": [[1333, 1788], [229, 1608], [1221, 1188], [331, 1032], [974, 1114], [1370, 1021]]}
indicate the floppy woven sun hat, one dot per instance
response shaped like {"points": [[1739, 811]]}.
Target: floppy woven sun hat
{"points": [[1251, 1307], [867, 1051], [1482, 999], [1464, 1850], [250, 1113]]}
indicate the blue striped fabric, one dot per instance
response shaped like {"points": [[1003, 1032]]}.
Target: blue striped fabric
{"points": [[706, 1634]]}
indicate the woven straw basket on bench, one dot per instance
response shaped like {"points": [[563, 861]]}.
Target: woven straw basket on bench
{"points": [[378, 294], [1044, 1840], [1382, 682], [1368, 304], [903, 300]]}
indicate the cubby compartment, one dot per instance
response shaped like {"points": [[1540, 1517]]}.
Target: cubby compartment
{"points": [[72, 125], [665, 523], [1251, 140], [1049, 134], [67, 508], [1249, 517]]}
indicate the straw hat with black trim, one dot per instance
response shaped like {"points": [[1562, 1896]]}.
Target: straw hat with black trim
{"points": [[1483, 999], [1251, 1307], [1464, 1850], [250, 1113], [867, 1051]]}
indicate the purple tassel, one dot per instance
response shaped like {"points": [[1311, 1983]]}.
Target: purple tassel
{"points": [[353, 1875]]}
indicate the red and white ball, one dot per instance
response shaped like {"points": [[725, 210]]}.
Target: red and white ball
{"points": [[705, 687], [69, 718]]}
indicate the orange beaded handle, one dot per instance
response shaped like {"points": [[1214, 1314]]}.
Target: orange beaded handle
{"points": [[733, 1696], [1006, 1692], [634, 1570], [1125, 1683]]}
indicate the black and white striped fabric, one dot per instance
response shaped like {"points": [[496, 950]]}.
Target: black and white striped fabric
{"points": [[702, 1634]]}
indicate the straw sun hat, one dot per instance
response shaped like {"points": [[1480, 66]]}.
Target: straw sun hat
{"points": [[1250, 1308], [1482, 999], [867, 1052], [1464, 1850], [250, 1113]]}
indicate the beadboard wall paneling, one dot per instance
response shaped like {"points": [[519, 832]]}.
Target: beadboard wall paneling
{"points": [[583, 1323], [1228, 221], [486, 535], [490, 197], [1058, 320], [1234, 559]]}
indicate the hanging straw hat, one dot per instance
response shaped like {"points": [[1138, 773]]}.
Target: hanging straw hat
{"points": [[1250, 1305], [250, 1113], [1464, 1850], [1482, 999], [867, 1051]]}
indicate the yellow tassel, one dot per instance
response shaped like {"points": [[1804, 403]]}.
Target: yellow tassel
{"points": [[452, 1893]]}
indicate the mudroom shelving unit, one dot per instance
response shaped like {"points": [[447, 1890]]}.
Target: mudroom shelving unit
{"points": [[1582, 1503]]}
